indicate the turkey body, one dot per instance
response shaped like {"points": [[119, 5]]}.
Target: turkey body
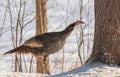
{"points": [[43, 44], [46, 43]]}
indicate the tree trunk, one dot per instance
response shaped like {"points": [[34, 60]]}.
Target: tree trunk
{"points": [[106, 48], [41, 27]]}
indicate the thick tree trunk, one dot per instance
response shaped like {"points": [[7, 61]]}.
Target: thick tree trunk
{"points": [[41, 27], [106, 48]]}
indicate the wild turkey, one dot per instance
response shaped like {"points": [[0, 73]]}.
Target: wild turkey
{"points": [[45, 44]]}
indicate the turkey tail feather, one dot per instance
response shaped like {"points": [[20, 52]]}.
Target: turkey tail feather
{"points": [[9, 52], [19, 50]]}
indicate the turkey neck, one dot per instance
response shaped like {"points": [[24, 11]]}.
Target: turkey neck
{"points": [[65, 33]]}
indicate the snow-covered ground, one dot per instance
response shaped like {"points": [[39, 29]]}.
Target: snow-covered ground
{"points": [[95, 70]]}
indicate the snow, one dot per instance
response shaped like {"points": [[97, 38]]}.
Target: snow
{"points": [[94, 70], [18, 74]]}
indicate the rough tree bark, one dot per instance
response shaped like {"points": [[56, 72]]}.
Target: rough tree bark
{"points": [[106, 48], [41, 27]]}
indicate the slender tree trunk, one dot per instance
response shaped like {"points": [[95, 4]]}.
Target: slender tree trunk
{"points": [[106, 48], [18, 61], [41, 27]]}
